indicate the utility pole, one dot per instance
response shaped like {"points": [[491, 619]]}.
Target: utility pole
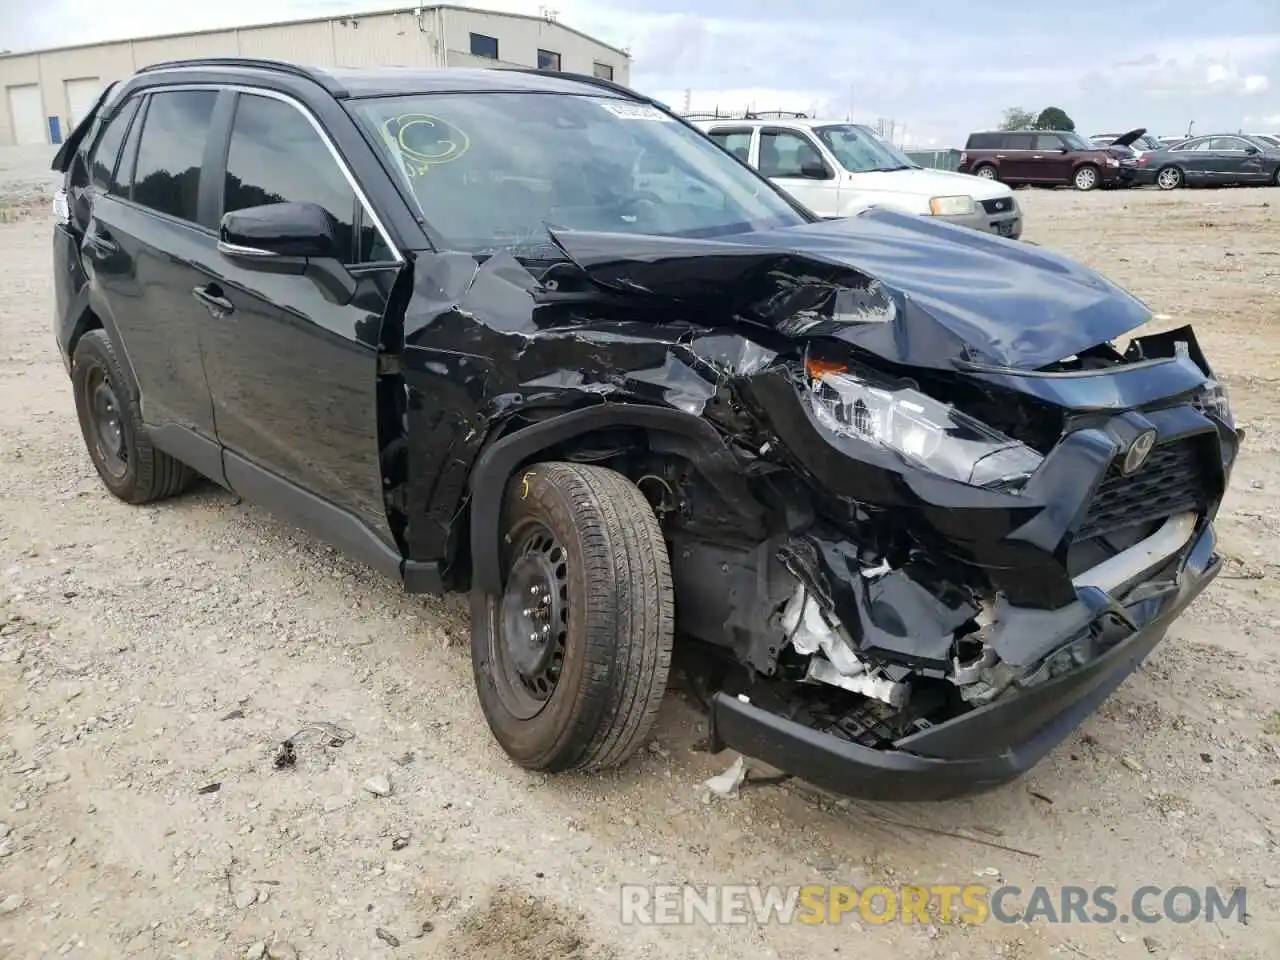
{"points": [[688, 98]]}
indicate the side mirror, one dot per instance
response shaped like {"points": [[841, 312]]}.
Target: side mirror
{"points": [[814, 171], [299, 239], [1251, 150], [1064, 149]]}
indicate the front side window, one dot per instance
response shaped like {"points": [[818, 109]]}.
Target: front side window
{"points": [[1227, 143], [1049, 141], [548, 60], [1076, 142], [785, 153], [276, 156], [106, 155], [494, 170], [171, 152], [483, 46], [861, 151]]}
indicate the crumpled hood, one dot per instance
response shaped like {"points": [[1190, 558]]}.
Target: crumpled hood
{"points": [[905, 288]]}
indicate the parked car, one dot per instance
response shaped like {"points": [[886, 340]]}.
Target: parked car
{"points": [[1138, 144], [837, 169], [1048, 158], [1271, 139], [888, 481], [1214, 160]]}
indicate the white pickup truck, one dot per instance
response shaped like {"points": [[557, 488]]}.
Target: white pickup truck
{"points": [[837, 169]]}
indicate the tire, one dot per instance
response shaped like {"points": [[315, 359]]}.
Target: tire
{"points": [[589, 535], [986, 171], [1275, 178], [1085, 177], [1169, 178], [130, 467]]}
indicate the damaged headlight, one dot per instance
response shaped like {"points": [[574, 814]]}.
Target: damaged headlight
{"points": [[923, 431], [1213, 400]]}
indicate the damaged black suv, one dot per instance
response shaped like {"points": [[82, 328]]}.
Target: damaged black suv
{"points": [[891, 482]]}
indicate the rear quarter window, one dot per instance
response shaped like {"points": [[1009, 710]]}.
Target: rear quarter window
{"points": [[983, 141], [106, 153]]}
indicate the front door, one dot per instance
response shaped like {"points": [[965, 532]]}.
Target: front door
{"points": [[793, 161], [1051, 158], [147, 231], [293, 375]]}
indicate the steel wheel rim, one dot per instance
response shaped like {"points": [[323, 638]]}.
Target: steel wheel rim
{"points": [[106, 423], [1168, 179], [532, 624]]}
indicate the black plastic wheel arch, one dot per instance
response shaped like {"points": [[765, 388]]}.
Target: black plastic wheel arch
{"points": [[677, 432]]}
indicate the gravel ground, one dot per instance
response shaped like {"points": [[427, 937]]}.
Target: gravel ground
{"points": [[153, 659]]}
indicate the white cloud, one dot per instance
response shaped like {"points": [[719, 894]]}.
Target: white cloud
{"points": [[1255, 83]]}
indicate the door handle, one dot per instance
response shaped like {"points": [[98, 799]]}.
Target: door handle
{"points": [[1001, 156], [100, 245], [211, 297]]}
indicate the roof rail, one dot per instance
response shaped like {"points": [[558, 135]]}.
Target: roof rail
{"points": [[584, 78], [747, 115], [252, 63]]}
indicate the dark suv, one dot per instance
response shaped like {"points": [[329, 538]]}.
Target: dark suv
{"points": [[910, 514], [1049, 158]]}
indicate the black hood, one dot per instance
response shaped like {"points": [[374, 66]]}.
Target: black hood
{"points": [[904, 288], [1128, 139]]}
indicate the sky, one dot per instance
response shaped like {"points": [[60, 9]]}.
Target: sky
{"points": [[937, 69]]}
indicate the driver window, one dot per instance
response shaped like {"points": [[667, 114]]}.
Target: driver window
{"points": [[787, 154], [1049, 141], [276, 156], [1226, 143]]}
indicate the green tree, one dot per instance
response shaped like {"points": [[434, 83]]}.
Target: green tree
{"points": [[1054, 118], [1016, 118]]}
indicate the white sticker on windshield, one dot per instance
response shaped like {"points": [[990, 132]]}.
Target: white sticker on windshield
{"points": [[626, 110]]}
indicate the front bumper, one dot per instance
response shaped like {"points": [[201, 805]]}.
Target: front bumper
{"points": [[1004, 223], [979, 750]]}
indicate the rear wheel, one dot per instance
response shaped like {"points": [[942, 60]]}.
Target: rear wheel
{"points": [[571, 662], [986, 172], [1085, 178], [1169, 178], [1275, 178], [111, 422]]}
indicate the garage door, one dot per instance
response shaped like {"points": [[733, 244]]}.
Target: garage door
{"points": [[82, 94], [27, 115]]}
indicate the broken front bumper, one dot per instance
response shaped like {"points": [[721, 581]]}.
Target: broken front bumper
{"points": [[981, 749]]}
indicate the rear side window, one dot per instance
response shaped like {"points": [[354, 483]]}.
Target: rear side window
{"points": [[983, 141], [1017, 141], [171, 152], [737, 142], [276, 156], [106, 155]]}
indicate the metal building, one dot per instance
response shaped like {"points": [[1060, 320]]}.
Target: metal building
{"points": [[47, 92]]}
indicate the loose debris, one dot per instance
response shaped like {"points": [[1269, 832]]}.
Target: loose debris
{"points": [[726, 784], [326, 733], [379, 786], [209, 788], [387, 937]]}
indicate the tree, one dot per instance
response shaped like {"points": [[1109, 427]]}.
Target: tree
{"points": [[1054, 118], [1015, 118]]}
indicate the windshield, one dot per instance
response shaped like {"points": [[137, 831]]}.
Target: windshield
{"points": [[861, 151], [1265, 141], [495, 170]]}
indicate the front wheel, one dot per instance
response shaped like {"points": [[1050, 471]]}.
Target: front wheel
{"points": [[1086, 178], [1170, 178], [571, 661]]}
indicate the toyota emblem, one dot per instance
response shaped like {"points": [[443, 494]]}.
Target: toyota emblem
{"points": [[1139, 451]]}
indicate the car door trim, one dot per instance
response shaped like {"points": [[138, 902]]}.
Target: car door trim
{"points": [[302, 108]]}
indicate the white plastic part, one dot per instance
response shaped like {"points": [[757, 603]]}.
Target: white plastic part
{"points": [[1114, 572]]}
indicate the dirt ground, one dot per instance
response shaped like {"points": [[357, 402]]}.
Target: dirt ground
{"points": [[147, 654]]}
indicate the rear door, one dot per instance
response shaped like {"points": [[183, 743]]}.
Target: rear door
{"points": [[1196, 160], [1015, 159], [294, 376], [739, 141], [1051, 158], [144, 233], [793, 160]]}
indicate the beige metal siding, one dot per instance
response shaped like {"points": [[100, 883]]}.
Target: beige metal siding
{"points": [[308, 43], [436, 38], [224, 43], [25, 116], [393, 40]]}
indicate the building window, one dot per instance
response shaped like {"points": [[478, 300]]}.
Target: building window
{"points": [[482, 46], [602, 71], [548, 60]]}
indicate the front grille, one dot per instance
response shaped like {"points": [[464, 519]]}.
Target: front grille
{"points": [[998, 205], [1173, 480]]}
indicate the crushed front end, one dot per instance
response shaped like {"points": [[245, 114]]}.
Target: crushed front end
{"points": [[963, 565]]}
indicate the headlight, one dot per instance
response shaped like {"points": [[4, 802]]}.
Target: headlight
{"points": [[950, 206], [921, 430], [1212, 399], [1112, 162]]}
